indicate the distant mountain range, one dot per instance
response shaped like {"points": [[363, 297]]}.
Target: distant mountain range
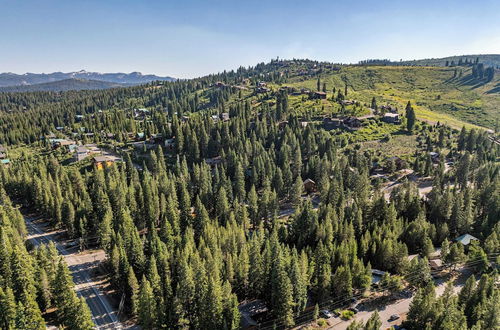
{"points": [[91, 79]]}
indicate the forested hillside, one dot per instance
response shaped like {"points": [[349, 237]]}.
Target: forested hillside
{"points": [[63, 85], [287, 184]]}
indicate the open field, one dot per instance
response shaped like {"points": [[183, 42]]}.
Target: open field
{"points": [[434, 92]]}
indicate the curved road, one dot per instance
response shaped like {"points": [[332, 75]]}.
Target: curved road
{"points": [[103, 314]]}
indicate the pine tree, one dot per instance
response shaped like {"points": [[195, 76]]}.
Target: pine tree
{"points": [[410, 117], [374, 322], [7, 308], [147, 307]]}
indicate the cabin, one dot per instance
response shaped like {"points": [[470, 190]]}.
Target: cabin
{"points": [[214, 161], [436, 264], [251, 312], [377, 276], [5, 162], [466, 239], [215, 118], [109, 136], [318, 95], [309, 186], [332, 123], [81, 153], [224, 116], [139, 136], [156, 138], [79, 118], [434, 156], [57, 143], [389, 108], [352, 123], [282, 124], [104, 161], [170, 144], [392, 118], [141, 112], [304, 124]]}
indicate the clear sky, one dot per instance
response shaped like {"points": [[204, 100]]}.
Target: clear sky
{"points": [[187, 38]]}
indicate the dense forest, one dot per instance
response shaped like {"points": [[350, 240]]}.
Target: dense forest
{"points": [[223, 217]]}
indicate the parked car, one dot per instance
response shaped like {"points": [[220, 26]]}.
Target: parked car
{"points": [[326, 314], [393, 317], [354, 310]]}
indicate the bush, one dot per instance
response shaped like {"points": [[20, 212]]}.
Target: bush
{"points": [[347, 315], [322, 323]]}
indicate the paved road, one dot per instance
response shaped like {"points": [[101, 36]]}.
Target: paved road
{"points": [[103, 314]]}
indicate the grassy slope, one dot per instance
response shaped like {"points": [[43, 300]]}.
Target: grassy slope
{"points": [[434, 93]]}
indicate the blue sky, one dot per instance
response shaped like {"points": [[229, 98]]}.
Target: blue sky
{"points": [[187, 38]]}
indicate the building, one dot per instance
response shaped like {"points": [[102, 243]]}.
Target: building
{"points": [[318, 95], [103, 161], [434, 156], [81, 153], [56, 143], [352, 123], [332, 123], [262, 90], [465, 239], [377, 276], [214, 161], [225, 116], [5, 162], [435, 264], [392, 118], [156, 138], [170, 144], [141, 113], [309, 186], [250, 311], [388, 108], [282, 124]]}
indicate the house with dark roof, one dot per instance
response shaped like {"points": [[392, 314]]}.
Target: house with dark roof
{"points": [[318, 95], [309, 186], [332, 123], [250, 311]]}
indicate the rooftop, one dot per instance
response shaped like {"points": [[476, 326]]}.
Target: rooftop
{"points": [[465, 239]]}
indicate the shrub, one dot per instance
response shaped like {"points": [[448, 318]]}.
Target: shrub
{"points": [[322, 323], [347, 315]]}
